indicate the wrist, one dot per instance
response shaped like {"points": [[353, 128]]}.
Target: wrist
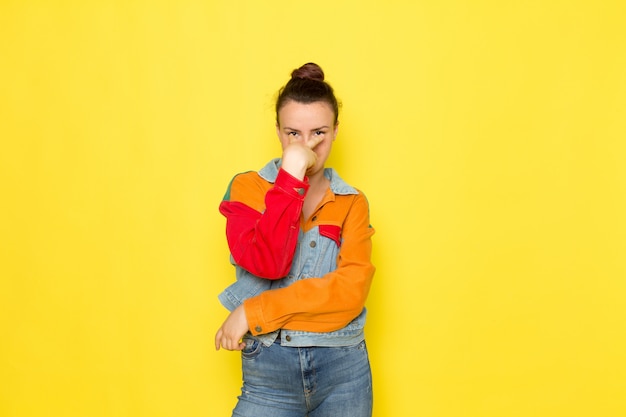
{"points": [[296, 169]]}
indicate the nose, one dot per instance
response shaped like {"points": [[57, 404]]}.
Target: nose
{"points": [[303, 138], [313, 138]]}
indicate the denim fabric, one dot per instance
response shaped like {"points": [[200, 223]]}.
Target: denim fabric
{"points": [[338, 186], [315, 256], [282, 381]]}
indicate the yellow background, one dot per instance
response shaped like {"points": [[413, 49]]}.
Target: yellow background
{"points": [[489, 137]]}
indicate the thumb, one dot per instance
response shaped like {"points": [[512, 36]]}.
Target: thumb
{"points": [[218, 337]]}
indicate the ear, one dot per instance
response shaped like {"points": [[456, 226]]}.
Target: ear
{"points": [[335, 130], [277, 130]]}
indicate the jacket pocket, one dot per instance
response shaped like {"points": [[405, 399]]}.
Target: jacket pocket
{"points": [[331, 231]]}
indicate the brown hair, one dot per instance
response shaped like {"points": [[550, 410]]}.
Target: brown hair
{"points": [[306, 86]]}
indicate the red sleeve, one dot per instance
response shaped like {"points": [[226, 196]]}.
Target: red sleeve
{"points": [[262, 224]]}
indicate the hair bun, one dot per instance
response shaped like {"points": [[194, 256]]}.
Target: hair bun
{"points": [[307, 86], [309, 71]]}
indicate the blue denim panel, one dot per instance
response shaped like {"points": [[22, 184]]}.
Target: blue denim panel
{"points": [[246, 286], [315, 256]]}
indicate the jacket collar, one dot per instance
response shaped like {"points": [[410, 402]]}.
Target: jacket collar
{"points": [[338, 186]]}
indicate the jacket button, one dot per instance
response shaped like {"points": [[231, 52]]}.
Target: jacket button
{"points": [[312, 244], [300, 191], [258, 329], [288, 338]]}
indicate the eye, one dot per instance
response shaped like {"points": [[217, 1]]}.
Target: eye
{"points": [[292, 133], [319, 132]]}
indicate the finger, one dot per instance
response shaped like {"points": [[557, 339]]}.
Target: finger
{"points": [[233, 345], [225, 342], [316, 140], [218, 338]]}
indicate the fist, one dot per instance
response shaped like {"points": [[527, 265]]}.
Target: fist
{"points": [[298, 156]]}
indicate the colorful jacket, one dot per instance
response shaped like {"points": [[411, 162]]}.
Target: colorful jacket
{"points": [[307, 277]]}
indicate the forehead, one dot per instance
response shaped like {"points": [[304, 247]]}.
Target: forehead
{"points": [[306, 115]]}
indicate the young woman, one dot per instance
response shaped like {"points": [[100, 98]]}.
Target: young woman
{"points": [[300, 240]]}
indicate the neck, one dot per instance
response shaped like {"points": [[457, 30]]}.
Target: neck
{"points": [[318, 179]]}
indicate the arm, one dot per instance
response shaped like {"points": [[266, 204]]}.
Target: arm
{"points": [[262, 224], [327, 303], [262, 237]]}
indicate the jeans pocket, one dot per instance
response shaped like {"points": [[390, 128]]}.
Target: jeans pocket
{"points": [[252, 349]]}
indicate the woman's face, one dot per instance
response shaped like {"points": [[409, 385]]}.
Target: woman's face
{"points": [[304, 122]]}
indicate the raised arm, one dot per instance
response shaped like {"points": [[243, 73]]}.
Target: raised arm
{"points": [[263, 232]]}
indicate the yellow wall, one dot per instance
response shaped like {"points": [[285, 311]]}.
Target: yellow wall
{"points": [[489, 137]]}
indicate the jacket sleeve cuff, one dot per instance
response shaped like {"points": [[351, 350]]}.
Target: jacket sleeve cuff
{"points": [[291, 185], [254, 315]]}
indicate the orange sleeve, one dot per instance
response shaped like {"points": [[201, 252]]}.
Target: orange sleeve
{"points": [[328, 303]]}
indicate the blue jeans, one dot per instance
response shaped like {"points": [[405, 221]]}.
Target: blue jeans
{"points": [[280, 381]]}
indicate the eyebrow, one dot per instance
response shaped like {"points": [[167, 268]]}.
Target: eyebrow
{"points": [[312, 130]]}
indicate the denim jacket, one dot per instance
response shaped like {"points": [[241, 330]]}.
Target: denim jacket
{"points": [[315, 256]]}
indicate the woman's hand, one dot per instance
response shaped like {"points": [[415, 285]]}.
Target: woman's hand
{"points": [[299, 156], [234, 327]]}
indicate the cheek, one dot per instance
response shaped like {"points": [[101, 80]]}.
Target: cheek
{"points": [[324, 147], [284, 141]]}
